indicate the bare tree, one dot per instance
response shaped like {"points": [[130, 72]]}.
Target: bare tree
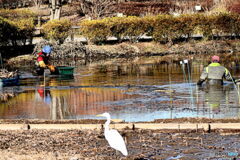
{"points": [[37, 3], [56, 7], [95, 8]]}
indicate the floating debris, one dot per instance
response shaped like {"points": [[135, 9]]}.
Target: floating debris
{"points": [[4, 97], [6, 74], [165, 91]]}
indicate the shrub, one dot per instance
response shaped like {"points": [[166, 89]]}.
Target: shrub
{"points": [[204, 24], [57, 30], [226, 23], [131, 27], [15, 14], [24, 30], [6, 30], [187, 25], [119, 27], [95, 30], [165, 28], [23, 21], [236, 24]]}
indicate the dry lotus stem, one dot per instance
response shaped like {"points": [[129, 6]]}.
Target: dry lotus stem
{"points": [[5, 74]]}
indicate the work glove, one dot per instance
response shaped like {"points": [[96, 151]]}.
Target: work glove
{"points": [[237, 81], [200, 81], [51, 68], [42, 64]]}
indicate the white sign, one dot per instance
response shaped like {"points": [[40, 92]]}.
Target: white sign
{"points": [[198, 8]]}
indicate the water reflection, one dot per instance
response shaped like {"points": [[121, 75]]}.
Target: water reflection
{"points": [[132, 93], [43, 103], [221, 102]]}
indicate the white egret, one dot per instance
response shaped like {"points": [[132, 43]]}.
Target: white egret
{"points": [[113, 137]]}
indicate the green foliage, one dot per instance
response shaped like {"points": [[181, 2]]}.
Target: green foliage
{"points": [[227, 23], [57, 30], [21, 22], [15, 14], [6, 30], [96, 30], [25, 29], [166, 28], [187, 26], [132, 27], [163, 28], [236, 25], [205, 24], [120, 27]]}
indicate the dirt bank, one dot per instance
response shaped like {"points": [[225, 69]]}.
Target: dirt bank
{"points": [[141, 144], [142, 52], [94, 121], [27, 143]]}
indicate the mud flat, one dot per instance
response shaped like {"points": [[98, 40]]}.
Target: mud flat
{"points": [[40, 139], [134, 53]]}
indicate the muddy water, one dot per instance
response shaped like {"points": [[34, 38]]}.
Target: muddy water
{"points": [[128, 92]]}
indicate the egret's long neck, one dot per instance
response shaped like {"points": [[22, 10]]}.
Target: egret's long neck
{"points": [[106, 126]]}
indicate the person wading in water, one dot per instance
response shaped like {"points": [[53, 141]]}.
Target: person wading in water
{"points": [[214, 74], [43, 61]]}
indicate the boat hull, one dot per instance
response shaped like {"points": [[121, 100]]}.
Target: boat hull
{"points": [[13, 81]]}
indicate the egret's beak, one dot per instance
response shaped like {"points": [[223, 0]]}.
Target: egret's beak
{"points": [[99, 115]]}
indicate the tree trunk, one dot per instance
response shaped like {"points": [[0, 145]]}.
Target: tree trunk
{"points": [[56, 8], [58, 13], [38, 3]]}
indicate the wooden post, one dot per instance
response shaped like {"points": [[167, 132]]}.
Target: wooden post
{"points": [[72, 35], [39, 21], [209, 128]]}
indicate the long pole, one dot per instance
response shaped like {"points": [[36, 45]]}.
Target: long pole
{"points": [[189, 74], [189, 81], [237, 87], [1, 60], [183, 68], [171, 97], [44, 83]]}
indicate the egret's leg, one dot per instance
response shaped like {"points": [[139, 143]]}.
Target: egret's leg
{"points": [[117, 154]]}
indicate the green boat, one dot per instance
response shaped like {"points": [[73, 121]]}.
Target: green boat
{"points": [[65, 70], [59, 70]]}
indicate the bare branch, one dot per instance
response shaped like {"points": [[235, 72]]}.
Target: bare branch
{"points": [[95, 8]]}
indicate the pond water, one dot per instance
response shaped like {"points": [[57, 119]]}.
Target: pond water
{"points": [[129, 92]]}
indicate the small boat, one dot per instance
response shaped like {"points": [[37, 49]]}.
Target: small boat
{"points": [[13, 81], [65, 70], [59, 70]]}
